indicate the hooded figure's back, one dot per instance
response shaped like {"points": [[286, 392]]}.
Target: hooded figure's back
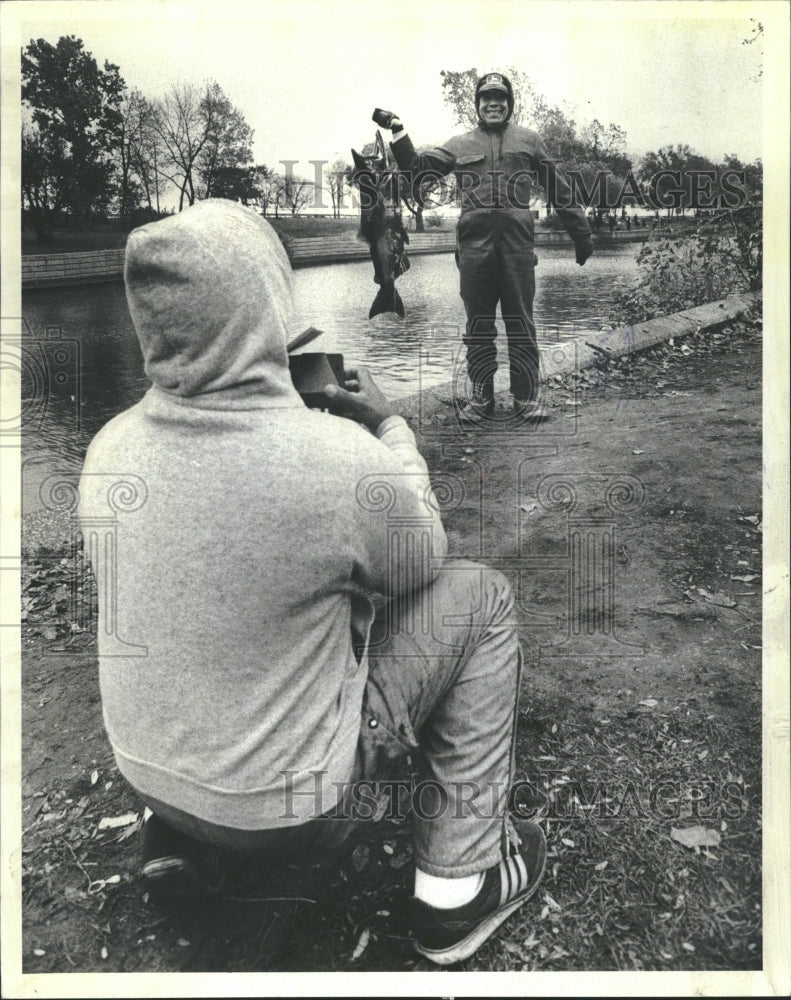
{"points": [[227, 600]]}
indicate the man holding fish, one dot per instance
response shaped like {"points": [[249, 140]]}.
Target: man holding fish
{"points": [[495, 165]]}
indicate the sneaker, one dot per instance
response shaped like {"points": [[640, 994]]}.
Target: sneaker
{"points": [[449, 936], [177, 865]]}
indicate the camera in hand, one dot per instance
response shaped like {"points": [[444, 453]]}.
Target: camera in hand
{"points": [[311, 372], [384, 119]]}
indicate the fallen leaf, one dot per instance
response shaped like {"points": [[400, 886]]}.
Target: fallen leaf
{"points": [[748, 578], [649, 702], [104, 952], [567, 842], [720, 599], [388, 848], [94, 777], [183, 943], [111, 822], [130, 831], [39, 952], [362, 944], [360, 857], [695, 836], [99, 884], [600, 866], [637, 451], [687, 946]]}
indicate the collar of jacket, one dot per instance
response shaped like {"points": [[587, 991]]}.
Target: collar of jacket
{"points": [[493, 129]]}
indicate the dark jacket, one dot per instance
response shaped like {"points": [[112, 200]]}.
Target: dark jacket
{"points": [[495, 171]]}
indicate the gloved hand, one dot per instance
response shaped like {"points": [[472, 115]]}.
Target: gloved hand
{"points": [[387, 119], [584, 248]]}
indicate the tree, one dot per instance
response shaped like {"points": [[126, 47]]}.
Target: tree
{"points": [[44, 162], [753, 176], [228, 141], [458, 92], [293, 193], [337, 174], [200, 131], [666, 175], [249, 185], [73, 130], [268, 188], [139, 156], [181, 129]]}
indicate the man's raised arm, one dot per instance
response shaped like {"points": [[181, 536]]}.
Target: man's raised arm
{"points": [[438, 161]]}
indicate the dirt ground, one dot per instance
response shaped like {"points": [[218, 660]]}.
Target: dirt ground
{"points": [[640, 714]]}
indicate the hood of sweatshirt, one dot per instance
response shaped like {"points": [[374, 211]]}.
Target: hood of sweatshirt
{"points": [[209, 292]]}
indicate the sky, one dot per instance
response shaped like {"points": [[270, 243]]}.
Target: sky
{"points": [[307, 76]]}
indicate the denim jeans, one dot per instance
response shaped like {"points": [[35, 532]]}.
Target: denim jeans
{"points": [[443, 687]]}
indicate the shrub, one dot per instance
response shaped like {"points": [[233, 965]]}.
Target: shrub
{"points": [[723, 257], [434, 219]]}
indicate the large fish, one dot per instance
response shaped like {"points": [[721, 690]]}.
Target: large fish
{"points": [[381, 226]]}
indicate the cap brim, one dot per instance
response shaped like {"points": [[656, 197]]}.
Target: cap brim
{"points": [[492, 89]]}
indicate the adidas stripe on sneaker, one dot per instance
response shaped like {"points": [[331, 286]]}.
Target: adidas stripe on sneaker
{"points": [[449, 936]]}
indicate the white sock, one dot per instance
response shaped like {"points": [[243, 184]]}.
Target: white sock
{"points": [[446, 893]]}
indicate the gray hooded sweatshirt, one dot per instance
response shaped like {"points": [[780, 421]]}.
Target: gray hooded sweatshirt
{"points": [[245, 541]]}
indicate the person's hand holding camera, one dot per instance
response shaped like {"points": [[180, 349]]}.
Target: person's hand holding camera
{"points": [[360, 399]]}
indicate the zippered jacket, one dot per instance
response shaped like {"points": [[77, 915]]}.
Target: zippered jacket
{"points": [[495, 172]]}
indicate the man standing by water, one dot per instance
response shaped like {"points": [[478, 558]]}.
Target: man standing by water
{"points": [[495, 165]]}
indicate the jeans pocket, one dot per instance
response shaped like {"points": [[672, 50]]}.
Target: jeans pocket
{"points": [[386, 736]]}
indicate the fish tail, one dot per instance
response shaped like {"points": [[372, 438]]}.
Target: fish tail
{"points": [[387, 300]]}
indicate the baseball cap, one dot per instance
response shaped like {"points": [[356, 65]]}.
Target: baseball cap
{"points": [[493, 81]]}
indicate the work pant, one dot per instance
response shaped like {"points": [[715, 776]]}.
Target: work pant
{"points": [[492, 273], [443, 686]]}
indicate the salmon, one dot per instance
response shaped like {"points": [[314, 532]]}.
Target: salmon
{"points": [[381, 225]]}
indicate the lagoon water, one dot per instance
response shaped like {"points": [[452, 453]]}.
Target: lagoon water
{"points": [[83, 364]]}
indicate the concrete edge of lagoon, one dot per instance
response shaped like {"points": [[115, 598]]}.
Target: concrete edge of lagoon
{"points": [[565, 357], [60, 270]]}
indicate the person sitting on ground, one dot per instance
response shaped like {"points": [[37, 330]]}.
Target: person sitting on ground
{"points": [[247, 682]]}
